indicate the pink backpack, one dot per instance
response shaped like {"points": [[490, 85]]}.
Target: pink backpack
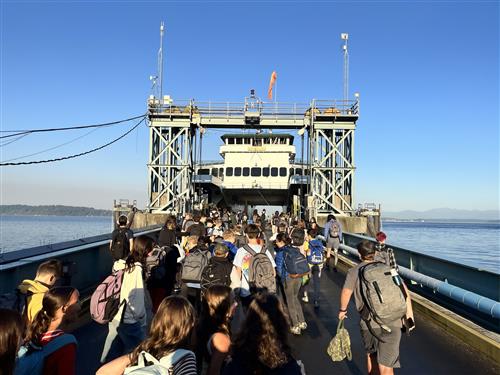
{"points": [[105, 301]]}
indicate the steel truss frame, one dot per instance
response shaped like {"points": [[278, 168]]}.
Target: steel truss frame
{"points": [[174, 129]]}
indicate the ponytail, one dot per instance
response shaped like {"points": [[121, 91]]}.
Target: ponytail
{"points": [[53, 300]]}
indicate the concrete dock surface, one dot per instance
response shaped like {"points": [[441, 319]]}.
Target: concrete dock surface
{"points": [[428, 350]]}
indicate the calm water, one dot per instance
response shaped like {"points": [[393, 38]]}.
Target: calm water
{"points": [[18, 232], [475, 244]]}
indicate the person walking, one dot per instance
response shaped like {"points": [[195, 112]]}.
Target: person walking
{"points": [[333, 237]]}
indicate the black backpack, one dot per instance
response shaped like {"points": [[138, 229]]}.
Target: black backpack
{"points": [[215, 273], [16, 301], [120, 247], [155, 264]]}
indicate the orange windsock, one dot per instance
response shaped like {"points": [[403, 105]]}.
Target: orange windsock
{"points": [[272, 81]]}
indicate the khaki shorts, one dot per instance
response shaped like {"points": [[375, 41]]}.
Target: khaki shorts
{"points": [[387, 351], [333, 243]]}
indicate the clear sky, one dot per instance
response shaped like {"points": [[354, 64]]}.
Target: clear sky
{"points": [[427, 73]]}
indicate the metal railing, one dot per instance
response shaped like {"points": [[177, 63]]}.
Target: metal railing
{"points": [[289, 110]]}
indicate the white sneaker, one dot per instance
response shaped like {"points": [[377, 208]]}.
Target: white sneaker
{"points": [[302, 325], [295, 330], [305, 298]]}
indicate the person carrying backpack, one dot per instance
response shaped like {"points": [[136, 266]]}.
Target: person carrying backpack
{"points": [[254, 267], [218, 269], [47, 349], [196, 260], [382, 305], [30, 293], [316, 259], [166, 348], [127, 327], [333, 237], [122, 240], [293, 267]]}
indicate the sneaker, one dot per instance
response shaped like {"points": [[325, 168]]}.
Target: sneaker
{"points": [[305, 298], [316, 304], [302, 325], [295, 330]]}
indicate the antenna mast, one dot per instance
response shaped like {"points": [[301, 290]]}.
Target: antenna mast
{"points": [[345, 37], [160, 60]]}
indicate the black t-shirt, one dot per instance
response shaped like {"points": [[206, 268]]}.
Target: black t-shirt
{"points": [[167, 237]]}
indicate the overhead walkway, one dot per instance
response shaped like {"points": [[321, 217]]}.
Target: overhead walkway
{"points": [[429, 349]]}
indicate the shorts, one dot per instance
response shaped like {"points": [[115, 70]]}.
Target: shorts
{"points": [[333, 243], [387, 351]]}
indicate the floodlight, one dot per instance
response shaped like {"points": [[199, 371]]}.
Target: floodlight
{"points": [[344, 36], [356, 94]]}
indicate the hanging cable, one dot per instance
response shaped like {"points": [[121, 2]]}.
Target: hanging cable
{"points": [[13, 140], [51, 148], [77, 155], [30, 131]]}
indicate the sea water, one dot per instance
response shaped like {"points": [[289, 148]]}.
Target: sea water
{"points": [[474, 244]]}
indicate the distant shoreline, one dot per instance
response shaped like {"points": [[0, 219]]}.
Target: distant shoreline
{"points": [[395, 220], [51, 210]]}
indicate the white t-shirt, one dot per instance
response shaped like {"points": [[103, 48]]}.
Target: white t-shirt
{"points": [[242, 260]]}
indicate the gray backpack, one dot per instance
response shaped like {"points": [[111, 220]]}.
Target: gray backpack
{"points": [[383, 300], [261, 271], [194, 263]]}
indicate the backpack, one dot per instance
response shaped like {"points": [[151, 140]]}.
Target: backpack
{"points": [[295, 262], [30, 359], [383, 301], [149, 365], [16, 301], [120, 246], [215, 273], [315, 255], [335, 229], [194, 263], [105, 301], [155, 264], [260, 271], [276, 221]]}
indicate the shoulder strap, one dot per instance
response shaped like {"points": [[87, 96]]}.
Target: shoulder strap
{"points": [[57, 343], [249, 249], [173, 358]]}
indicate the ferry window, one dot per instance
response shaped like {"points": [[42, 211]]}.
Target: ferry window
{"points": [[282, 172], [265, 172], [246, 172], [237, 171], [257, 142], [203, 171], [229, 171], [221, 172], [274, 172], [215, 172], [239, 141], [256, 172]]}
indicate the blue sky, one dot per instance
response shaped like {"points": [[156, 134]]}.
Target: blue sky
{"points": [[427, 73]]}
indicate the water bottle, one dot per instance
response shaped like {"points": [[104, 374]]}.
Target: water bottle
{"points": [[395, 277]]}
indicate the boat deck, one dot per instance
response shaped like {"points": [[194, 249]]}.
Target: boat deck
{"points": [[429, 349]]}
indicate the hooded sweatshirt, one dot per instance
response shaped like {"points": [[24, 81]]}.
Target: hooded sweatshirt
{"points": [[35, 291], [132, 291]]}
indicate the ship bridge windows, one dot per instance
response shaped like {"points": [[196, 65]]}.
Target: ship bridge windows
{"points": [[265, 172], [203, 171], [215, 172], [229, 171], [274, 172], [283, 171], [256, 172], [237, 171], [246, 172]]}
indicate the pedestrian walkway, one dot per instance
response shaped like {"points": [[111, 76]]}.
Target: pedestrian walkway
{"points": [[429, 349]]}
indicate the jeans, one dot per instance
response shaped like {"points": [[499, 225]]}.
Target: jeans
{"points": [[316, 274], [292, 289], [122, 339]]}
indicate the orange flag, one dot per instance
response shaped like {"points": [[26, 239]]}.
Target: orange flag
{"points": [[271, 85]]}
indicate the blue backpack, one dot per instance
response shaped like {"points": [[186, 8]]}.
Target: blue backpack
{"points": [[295, 262], [315, 255], [30, 359]]}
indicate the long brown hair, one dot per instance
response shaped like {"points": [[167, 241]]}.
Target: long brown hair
{"points": [[52, 301], [262, 342], [215, 314], [171, 328], [11, 333], [142, 246]]}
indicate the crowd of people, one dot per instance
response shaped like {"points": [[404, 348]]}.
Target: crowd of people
{"points": [[214, 293]]}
